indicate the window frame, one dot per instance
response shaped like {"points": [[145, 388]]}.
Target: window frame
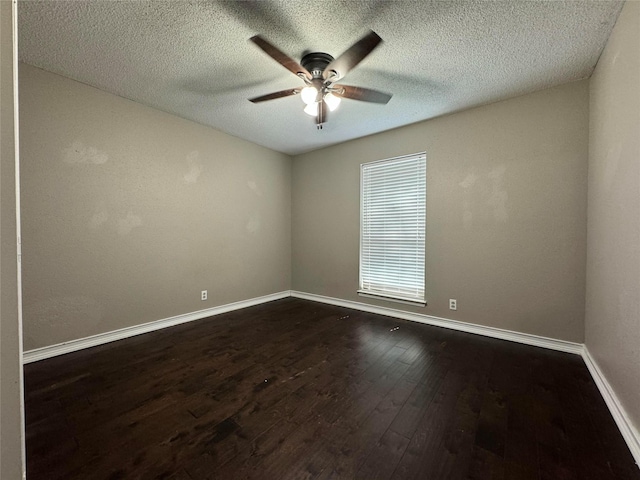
{"points": [[417, 301]]}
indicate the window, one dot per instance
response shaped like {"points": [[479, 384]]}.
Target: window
{"points": [[392, 228]]}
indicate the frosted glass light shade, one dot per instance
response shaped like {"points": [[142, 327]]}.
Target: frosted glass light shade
{"points": [[332, 101], [311, 109], [309, 95]]}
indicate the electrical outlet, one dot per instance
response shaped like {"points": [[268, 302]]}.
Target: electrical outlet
{"points": [[453, 304], [203, 295]]}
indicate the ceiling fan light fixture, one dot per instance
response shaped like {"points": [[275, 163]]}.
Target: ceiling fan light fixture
{"points": [[309, 95], [332, 101], [311, 109], [320, 71]]}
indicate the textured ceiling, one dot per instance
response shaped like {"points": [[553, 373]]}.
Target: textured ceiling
{"points": [[194, 59]]}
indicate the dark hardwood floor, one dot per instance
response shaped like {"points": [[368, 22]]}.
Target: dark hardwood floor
{"points": [[294, 389]]}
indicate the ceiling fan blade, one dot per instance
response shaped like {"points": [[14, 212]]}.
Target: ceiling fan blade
{"points": [[362, 94], [321, 118], [282, 58], [353, 56], [274, 95]]}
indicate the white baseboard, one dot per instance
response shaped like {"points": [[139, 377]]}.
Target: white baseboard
{"points": [[101, 338], [628, 431], [526, 338]]}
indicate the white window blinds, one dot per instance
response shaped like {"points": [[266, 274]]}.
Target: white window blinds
{"points": [[392, 228]]}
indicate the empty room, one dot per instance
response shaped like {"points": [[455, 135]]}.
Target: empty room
{"points": [[320, 240]]}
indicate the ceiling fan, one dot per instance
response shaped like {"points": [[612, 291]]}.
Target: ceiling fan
{"points": [[320, 71]]}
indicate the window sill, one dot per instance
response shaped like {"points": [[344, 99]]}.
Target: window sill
{"points": [[415, 303]]}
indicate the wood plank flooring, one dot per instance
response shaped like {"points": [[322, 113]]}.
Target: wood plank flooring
{"points": [[294, 389]]}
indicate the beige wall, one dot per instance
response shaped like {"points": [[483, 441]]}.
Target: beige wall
{"points": [[506, 213], [128, 213], [10, 411], [613, 260]]}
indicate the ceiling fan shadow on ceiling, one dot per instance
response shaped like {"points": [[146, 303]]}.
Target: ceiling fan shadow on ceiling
{"points": [[320, 71]]}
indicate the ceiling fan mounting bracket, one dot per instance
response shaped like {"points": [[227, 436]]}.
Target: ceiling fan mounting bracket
{"points": [[316, 62]]}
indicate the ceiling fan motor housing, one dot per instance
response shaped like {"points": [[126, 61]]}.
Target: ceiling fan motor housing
{"points": [[316, 62]]}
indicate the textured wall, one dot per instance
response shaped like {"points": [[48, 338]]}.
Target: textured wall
{"points": [[613, 260], [10, 439], [128, 213], [506, 212]]}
